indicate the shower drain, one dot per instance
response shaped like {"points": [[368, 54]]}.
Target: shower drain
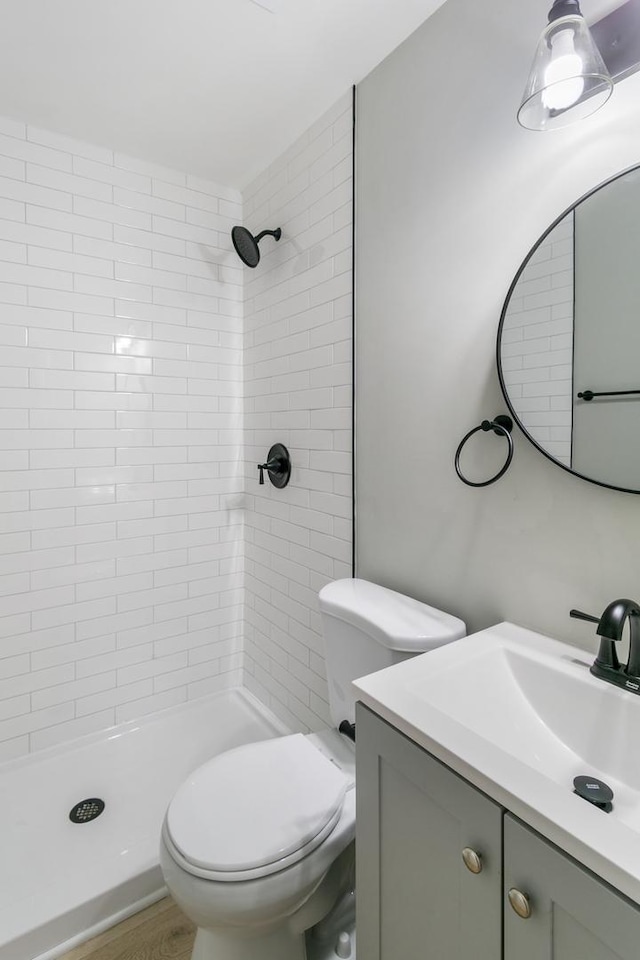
{"points": [[86, 810]]}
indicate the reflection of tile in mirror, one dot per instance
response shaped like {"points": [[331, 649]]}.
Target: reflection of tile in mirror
{"points": [[536, 342]]}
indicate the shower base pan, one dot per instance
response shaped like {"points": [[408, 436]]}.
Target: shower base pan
{"points": [[62, 882]]}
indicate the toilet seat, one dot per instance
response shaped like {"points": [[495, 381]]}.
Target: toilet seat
{"points": [[255, 810]]}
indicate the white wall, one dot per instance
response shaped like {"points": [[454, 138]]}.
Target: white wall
{"points": [[298, 392], [120, 406], [451, 195]]}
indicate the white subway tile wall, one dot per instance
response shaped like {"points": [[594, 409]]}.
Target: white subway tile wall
{"points": [[298, 388], [537, 343], [121, 552]]}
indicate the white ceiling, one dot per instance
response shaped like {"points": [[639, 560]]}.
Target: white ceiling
{"points": [[217, 88]]}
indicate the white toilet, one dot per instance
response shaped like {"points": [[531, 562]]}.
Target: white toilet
{"points": [[257, 845]]}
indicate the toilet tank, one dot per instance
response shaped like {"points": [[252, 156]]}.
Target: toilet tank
{"points": [[367, 627]]}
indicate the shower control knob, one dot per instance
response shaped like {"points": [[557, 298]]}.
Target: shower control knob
{"points": [[278, 466], [472, 860], [269, 465]]}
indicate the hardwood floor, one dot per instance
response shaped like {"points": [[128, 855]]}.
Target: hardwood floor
{"points": [[161, 932]]}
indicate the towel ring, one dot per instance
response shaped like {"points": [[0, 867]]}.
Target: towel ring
{"points": [[501, 425]]}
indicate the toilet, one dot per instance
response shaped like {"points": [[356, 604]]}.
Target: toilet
{"points": [[257, 845]]}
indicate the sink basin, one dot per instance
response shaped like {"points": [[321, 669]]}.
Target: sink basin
{"points": [[544, 708], [520, 715]]}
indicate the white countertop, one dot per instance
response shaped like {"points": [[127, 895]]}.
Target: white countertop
{"points": [[517, 756]]}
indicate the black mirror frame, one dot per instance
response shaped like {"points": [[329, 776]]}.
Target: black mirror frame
{"points": [[523, 265]]}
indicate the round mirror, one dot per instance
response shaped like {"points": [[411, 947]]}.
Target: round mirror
{"points": [[569, 338]]}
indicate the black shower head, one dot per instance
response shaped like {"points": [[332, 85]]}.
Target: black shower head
{"points": [[247, 245]]}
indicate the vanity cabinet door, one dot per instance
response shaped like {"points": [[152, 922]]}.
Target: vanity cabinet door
{"points": [[416, 899], [574, 916]]}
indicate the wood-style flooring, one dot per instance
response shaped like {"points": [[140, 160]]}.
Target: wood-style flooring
{"points": [[161, 932]]}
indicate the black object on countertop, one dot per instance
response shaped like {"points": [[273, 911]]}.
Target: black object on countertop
{"points": [[595, 792], [610, 626]]}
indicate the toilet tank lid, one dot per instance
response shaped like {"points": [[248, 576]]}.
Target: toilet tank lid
{"points": [[395, 621]]}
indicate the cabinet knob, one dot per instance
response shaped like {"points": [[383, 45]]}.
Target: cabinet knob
{"points": [[520, 903], [472, 860]]}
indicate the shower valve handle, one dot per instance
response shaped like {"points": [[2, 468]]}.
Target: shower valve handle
{"points": [[278, 466], [275, 465]]}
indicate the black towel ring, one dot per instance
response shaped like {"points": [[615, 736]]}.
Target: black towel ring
{"points": [[502, 425]]}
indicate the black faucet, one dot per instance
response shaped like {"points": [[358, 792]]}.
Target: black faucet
{"points": [[610, 627]]}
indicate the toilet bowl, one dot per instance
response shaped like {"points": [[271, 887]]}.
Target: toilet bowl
{"points": [[257, 845]]}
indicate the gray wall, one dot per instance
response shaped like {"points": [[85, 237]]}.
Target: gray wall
{"points": [[451, 195]]}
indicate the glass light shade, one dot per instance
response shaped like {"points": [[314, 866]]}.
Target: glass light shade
{"points": [[568, 78]]}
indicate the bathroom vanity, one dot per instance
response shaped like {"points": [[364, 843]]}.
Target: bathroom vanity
{"points": [[470, 840]]}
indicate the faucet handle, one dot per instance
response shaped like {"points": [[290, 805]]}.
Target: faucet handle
{"points": [[579, 615], [610, 628]]}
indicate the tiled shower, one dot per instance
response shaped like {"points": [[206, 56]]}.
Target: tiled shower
{"points": [[144, 373], [298, 328]]}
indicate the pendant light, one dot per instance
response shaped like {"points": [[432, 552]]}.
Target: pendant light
{"points": [[568, 78]]}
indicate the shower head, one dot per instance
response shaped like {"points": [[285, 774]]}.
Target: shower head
{"points": [[247, 245]]}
